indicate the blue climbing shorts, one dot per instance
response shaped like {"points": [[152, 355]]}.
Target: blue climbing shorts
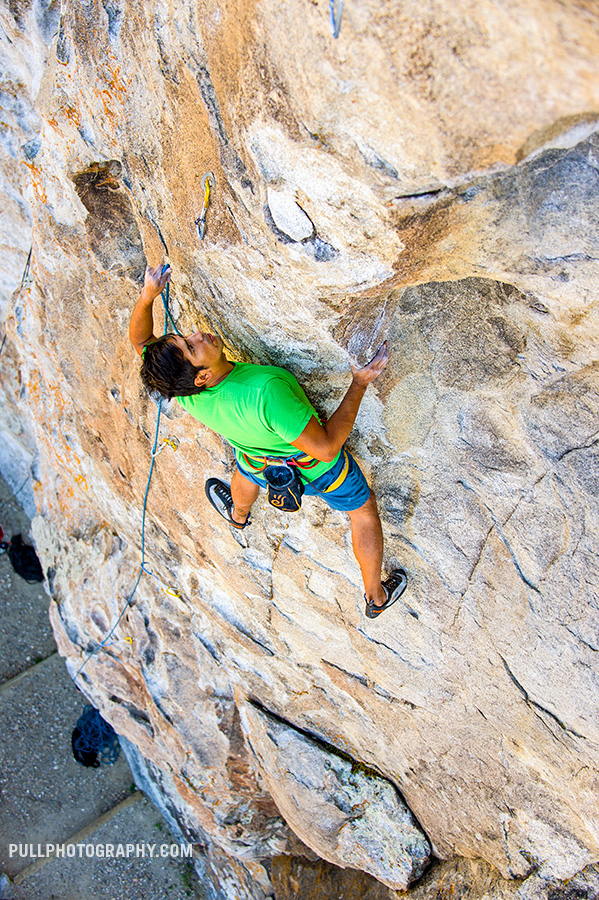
{"points": [[343, 487]]}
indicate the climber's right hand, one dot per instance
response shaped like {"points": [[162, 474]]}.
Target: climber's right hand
{"points": [[366, 375], [155, 280]]}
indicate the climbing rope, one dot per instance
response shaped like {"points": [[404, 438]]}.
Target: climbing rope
{"points": [[25, 277], [208, 182], [336, 16], [27, 270], [165, 295]]}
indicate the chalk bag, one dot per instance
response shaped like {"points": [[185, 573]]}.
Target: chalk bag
{"points": [[284, 487]]}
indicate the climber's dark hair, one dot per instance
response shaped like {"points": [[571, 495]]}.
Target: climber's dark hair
{"points": [[165, 369]]}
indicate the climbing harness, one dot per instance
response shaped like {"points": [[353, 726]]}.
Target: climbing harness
{"points": [[208, 183], [143, 566], [302, 462], [336, 17], [260, 464], [341, 477], [284, 486], [94, 741]]}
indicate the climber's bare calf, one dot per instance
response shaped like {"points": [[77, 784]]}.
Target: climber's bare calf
{"points": [[243, 493], [367, 541], [367, 533]]}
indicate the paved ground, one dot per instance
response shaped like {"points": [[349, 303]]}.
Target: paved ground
{"points": [[47, 797], [136, 878], [26, 635]]}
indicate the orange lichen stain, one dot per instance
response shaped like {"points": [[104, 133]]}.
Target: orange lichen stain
{"points": [[36, 183], [115, 81], [49, 405], [61, 502], [72, 115], [111, 113], [114, 96]]}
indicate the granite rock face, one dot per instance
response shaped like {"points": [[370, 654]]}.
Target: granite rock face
{"points": [[430, 178], [295, 876]]}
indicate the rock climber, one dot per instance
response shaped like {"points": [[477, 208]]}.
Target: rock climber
{"points": [[278, 439]]}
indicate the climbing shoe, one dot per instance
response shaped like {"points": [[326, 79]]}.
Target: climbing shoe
{"points": [[393, 586], [219, 495]]}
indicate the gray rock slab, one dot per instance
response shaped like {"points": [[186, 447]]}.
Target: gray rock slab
{"points": [[47, 795], [288, 215], [25, 632], [349, 815], [133, 878]]}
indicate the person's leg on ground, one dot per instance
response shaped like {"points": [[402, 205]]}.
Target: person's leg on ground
{"points": [[243, 492], [367, 540]]}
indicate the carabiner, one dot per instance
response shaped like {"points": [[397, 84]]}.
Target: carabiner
{"points": [[208, 183]]}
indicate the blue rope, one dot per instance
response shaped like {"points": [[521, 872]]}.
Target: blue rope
{"points": [[167, 315], [335, 19]]}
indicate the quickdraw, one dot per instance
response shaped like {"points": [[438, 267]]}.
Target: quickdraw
{"points": [[172, 592], [127, 640], [208, 183], [171, 442]]}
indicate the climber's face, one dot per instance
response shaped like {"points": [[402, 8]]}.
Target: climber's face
{"points": [[202, 349]]}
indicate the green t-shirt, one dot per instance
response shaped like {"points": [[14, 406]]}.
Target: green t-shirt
{"points": [[259, 410]]}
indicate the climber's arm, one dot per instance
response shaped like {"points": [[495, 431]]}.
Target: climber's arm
{"points": [[325, 441], [141, 326]]}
